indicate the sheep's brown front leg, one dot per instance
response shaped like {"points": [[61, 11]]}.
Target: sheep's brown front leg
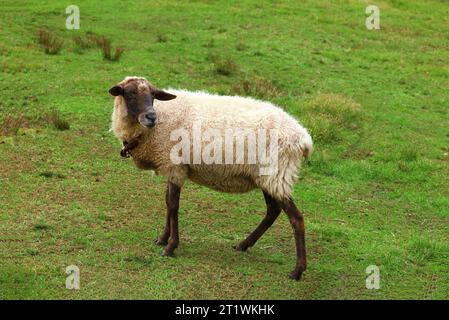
{"points": [[174, 192], [297, 221], [273, 212], [163, 238]]}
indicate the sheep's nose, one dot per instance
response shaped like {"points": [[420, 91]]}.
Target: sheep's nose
{"points": [[151, 117]]}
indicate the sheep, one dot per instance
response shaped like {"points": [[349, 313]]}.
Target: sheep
{"points": [[149, 122]]}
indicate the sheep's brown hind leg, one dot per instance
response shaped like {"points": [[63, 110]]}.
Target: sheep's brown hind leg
{"points": [[173, 206], [273, 211], [163, 238], [297, 221]]}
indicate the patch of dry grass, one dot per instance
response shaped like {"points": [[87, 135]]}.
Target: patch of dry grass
{"points": [[51, 43], [11, 124], [328, 115], [55, 118], [256, 87], [106, 48], [225, 66], [87, 42], [91, 40]]}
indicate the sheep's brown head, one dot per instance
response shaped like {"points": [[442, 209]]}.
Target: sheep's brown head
{"points": [[138, 95]]}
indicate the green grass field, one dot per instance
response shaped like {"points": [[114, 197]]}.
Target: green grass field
{"points": [[376, 191]]}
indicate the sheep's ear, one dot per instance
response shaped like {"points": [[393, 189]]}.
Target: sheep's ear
{"points": [[116, 91], [162, 95]]}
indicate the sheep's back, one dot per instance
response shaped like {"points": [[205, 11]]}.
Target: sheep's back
{"points": [[215, 111], [238, 113]]}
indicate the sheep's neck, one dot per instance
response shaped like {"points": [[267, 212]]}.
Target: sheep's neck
{"points": [[124, 128]]}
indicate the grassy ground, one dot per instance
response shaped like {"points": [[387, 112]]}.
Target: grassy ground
{"points": [[375, 192]]}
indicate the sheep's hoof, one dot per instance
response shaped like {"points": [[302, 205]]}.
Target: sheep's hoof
{"points": [[295, 275], [166, 253], [241, 247], [161, 242]]}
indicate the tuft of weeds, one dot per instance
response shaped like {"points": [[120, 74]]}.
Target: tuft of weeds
{"points": [[241, 46], [54, 118], [329, 115], [161, 38], [92, 38], [139, 260], [421, 250], [83, 43], [50, 174], [118, 53], [106, 48], [104, 217], [22, 125], [80, 42], [225, 67], [32, 251], [404, 166], [51, 43], [41, 226], [257, 87], [409, 155], [11, 124]]}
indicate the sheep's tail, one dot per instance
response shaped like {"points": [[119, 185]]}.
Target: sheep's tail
{"points": [[306, 145]]}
